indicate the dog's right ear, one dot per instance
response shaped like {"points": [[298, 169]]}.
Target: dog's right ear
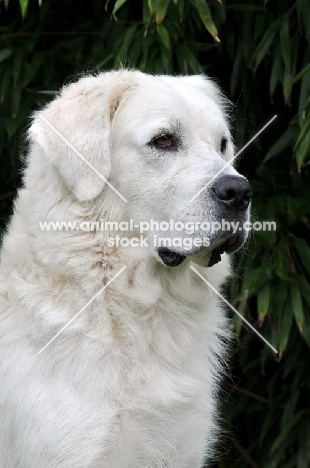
{"points": [[74, 131]]}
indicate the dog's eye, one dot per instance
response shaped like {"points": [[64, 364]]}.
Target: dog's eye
{"points": [[223, 145], [165, 141]]}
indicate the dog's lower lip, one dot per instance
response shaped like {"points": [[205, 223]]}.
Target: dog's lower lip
{"points": [[170, 258], [229, 246]]}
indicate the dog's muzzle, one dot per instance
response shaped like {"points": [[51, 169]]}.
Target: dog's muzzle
{"points": [[233, 194]]}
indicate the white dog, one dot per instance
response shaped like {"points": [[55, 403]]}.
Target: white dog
{"points": [[132, 381]]}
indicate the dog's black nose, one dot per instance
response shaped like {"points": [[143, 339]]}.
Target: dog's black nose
{"points": [[233, 192]]}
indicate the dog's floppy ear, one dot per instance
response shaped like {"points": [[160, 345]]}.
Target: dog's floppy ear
{"points": [[74, 131]]}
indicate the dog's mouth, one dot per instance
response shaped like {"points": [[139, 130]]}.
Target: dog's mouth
{"points": [[174, 259], [170, 258]]}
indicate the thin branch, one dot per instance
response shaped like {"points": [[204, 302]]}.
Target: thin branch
{"points": [[245, 455], [7, 195], [251, 394]]}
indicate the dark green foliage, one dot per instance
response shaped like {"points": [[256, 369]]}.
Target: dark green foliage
{"points": [[262, 63]]}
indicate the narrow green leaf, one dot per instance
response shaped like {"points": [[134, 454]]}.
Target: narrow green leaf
{"points": [[286, 431], [299, 75], [276, 69], [282, 143], [285, 43], [117, 5], [6, 80], [206, 17], [255, 279], [161, 10], [303, 250], [18, 62], [11, 125], [23, 6], [285, 327], [297, 306], [268, 422], [123, 50], [152, 6], [135, 50], [287, 90], [303, 453], [265, 43], [303, 132], [166, 59], [263, 299], [164, 36], [4, 54], [147, 17], [180, 5], [236, 71], [45, 92], [16, 98], [191, 60], [304, 92], [303, 151], [33, 67], [247, 36], [290, 408], [305, 16]]}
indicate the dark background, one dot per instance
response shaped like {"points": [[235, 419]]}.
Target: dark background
{"points": [[262, 64]]}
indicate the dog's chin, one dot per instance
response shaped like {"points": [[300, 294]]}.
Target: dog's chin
{"points": [[173, 259]]}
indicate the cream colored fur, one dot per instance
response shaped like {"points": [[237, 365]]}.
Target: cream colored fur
{"points": [[133, 381]]}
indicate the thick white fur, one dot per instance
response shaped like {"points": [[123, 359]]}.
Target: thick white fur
{"points": [[132, 382]]}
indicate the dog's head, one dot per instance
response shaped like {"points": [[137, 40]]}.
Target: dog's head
{"points": [[161, 142]]}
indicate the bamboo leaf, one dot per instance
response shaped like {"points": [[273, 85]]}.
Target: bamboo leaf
{"points": [[161, 10], [285, 43], [303, 250], [297, 306], [236, 71], [265, 43], [180, 6], [117, 5], [303, 455], [164, 36], [123, 51], [147, 17], [304, 92], [152, 6], [282, 143], [286, 431], [4, 54], [190, 59], [263, 299], [299, 75], [290, 409], [23, 6], [285, 328], [206, 17], [303, 151], [305, 289], [303, 132], [276, 69]]}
